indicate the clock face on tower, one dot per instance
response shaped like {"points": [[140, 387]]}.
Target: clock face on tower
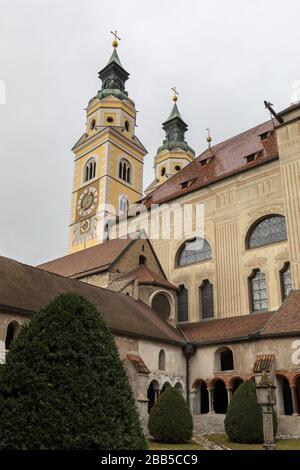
{"points": [[87, 201]]}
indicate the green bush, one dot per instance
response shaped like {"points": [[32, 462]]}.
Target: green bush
{"points": [[170, 419], [64, 385], [243, 421]]}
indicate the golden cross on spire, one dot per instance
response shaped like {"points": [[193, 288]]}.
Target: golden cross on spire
{"points": [[116, 38], [175, 96]]}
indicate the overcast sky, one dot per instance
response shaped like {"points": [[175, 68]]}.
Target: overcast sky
{"points": [[225, 57]]}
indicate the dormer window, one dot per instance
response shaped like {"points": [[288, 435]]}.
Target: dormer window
{"points": [[184, 185], [265, 135], [203, 162], [252, 157]]}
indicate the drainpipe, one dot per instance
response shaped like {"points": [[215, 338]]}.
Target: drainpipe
{"points": [[188, 350]]}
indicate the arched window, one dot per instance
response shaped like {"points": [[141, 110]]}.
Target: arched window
{"points": [[11, 334], [183, 307], [193, 251], [90, 169], [161, 305], [162, 360], [258, 291], [224, 359], [123, 204], [207, 299], [269, 230], [125, 171], [286, 280]]}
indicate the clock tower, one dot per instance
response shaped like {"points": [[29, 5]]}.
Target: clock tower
{"points": [[108, 174]]}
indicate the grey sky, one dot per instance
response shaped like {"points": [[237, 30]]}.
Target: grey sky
{"points": [[225, 57]]}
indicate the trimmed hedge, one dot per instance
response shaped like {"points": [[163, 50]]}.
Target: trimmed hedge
{"points": [[170, 419], [64, 385], [243, 421]]}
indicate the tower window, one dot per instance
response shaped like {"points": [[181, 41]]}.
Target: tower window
{"points": [[125, 171], [177, 168], [110, 119], [90, 169], [163, 171], [127, 126], [93, 124]]}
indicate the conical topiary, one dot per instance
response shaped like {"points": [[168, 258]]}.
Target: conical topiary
{"points": [[243, 421], [64, 385], [170, 418]]}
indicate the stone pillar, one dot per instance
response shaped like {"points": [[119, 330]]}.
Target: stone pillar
{"points": [[211, 400], [229, 394], [269, 443], [228, 268], [294, 400]]}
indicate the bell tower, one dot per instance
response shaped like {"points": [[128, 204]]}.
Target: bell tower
{"points": [[108, 173], [174, 153]]}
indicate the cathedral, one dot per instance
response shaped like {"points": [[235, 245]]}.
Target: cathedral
{"points": [[200, 313]]}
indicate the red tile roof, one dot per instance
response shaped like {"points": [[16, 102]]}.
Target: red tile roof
{"points": [[138, 363], [225, 329], [263, 363], [286, 321], [97, 258], [225, 159], [27, 289], [146, 276]]}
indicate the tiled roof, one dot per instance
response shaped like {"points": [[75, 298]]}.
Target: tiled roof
{"points": [[225, 329], [263, 363], [138, 363], [96, 258], [286, 320], [146, 276], [27, 289], [223, 160]]}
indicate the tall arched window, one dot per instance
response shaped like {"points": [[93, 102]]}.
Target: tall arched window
{"points": [[11, 333], [193, 251], [125, 170], [266, 231], [162, 360], [286, 280], [207, 299], [258, 291], [183, 305], [123, 204], [90, 169]]}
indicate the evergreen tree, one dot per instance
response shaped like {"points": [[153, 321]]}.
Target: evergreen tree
{"points": [[170, 418], [243, 421], [64, 385]]}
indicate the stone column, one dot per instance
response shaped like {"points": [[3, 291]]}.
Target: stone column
{"points": [[211, 400], [294, 400], [229, 394]]}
